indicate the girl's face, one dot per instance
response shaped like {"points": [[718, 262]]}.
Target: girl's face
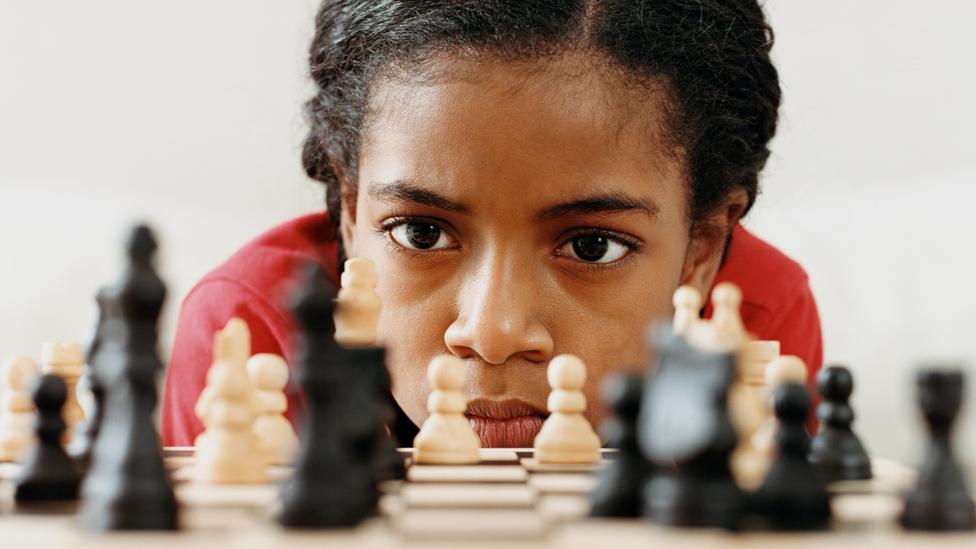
{"points": [[515, 213]]}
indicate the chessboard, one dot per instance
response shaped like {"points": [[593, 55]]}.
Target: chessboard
{"points": [[508, 498]]}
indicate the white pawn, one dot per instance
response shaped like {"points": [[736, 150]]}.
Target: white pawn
{"points": [[566, 436], [17, 412], [67, 361], [446, 437], [228, 451], [725, 332], [781, 370], [269, 375], [358, 310], [687, 303]]}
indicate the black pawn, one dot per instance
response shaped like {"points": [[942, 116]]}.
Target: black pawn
{"points": [[940, 499], [686, 433], [619, 492], [835, 450], [793, 496], [388, 463], [365, 365], [48, 473], [127, 486], [84, 440], [325, 490]]}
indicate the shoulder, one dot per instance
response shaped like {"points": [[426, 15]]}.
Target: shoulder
{"points": [[251, 285], [265, 265], [769, 279], [777, 303], [254, 282]]}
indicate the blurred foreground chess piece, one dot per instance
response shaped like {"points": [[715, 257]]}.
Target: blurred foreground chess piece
{"points": [[327, 489], [83, 441], [724, 333], [793, 496], [228, 450], [566, 435], [940, 499], [619, 492], [269, 374], [48, 473], [16, 407], [446, 437], [356, 318], [780, 371], [127, 487], [687, 303], [835, 450], [67, 360], [685, 431], [358, 308], [749, 405]]}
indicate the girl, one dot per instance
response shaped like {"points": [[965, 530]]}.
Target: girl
{"points": [[530, 178]]}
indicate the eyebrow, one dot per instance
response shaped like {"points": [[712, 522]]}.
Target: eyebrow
{"points": [[603, 203], [405, 191], [402, 190]]}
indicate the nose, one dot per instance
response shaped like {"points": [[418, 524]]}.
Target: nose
{"points": [[497, 317]]}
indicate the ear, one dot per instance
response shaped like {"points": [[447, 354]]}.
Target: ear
{"points": [[347, 222], [707, 246]]}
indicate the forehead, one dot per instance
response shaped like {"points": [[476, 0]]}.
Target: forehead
{"points": [[548, 130]]}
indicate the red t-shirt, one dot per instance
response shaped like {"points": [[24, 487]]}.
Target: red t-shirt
{"points": [[254, 283]]}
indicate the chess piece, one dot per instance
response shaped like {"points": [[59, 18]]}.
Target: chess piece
{"points": [[366, 368], [84, 439], [66, 359], [359, 307], [687, 309], [446, 437], [48, 473], [356, 318], [750, 410], [619, 491], [835, 450], [725, 332], [685, 431], [326, 489], [387, 462], [228, 450], [940, 499], [781, 370], [127, 486], [16, 407], [566, 436], [793, 496], [269, 375]]}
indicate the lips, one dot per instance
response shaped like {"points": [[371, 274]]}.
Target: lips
{"points": [[504, 423]]}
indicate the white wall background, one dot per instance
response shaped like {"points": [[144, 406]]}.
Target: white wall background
{"points": [[187, 114]]}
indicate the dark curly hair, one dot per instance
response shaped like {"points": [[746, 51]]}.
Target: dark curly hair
{"points": [[723, 90]]}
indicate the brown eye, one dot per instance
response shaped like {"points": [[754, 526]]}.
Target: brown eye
{"points": [[419, 236], [595, 248]]}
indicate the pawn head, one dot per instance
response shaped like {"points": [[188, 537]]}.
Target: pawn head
{"points": [[268, 372], [726, 295], [18, 372], [50, 393], [446, 373], [791, 403], [567, 372], [835, 383], [687, 297]]}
